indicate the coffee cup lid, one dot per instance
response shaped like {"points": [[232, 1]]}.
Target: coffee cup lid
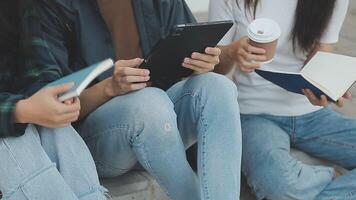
{"points": [[264, 30]]}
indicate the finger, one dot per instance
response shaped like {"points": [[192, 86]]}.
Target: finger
{"points": [[254, 57], [311, 97], [68, 102], [56, 90], [213, 51], [348, 95], [69, 117], [138, 86], [341, 102], [253, 50], [134, 79], [130, 71], [324, 101], [129, 63], [199, 63], [248, 64], [206, 58], [197, 70], [74, 107]]}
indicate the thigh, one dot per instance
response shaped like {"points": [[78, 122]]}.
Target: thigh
{"points": [[111, 131], [66, 148], [21, 157], [263, 141], [204, 101], [265, 157], [26, 172], [328, 135]]}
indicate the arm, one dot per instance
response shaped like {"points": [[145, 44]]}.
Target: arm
{"points": [[126, 78], [50, 59]]}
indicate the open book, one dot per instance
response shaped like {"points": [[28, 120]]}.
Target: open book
{"points": [[82, 78], [325, 74]]}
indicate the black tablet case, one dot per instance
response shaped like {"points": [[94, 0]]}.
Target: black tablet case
{"points": [[166, 58]]}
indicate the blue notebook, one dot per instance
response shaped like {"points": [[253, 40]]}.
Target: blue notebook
{"points": [[325, 74], [293, 82], [82, 78]]}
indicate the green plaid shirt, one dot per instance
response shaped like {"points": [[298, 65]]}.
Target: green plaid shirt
{"points": [[17, 78]]}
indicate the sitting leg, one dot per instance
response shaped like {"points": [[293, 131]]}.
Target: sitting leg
{"points": [[141, 126], [26, 172], [66, 148], [208, 112], [270, 170], [330, 136]]}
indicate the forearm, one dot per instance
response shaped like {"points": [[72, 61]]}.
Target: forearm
{"points": [[226, 61], [94, 97]]}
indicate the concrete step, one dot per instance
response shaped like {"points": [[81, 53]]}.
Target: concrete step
{"points": [[136, 185]]}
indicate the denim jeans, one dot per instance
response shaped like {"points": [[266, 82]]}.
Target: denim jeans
{"points": [[155, 128], [48, 164], [274, 174]]}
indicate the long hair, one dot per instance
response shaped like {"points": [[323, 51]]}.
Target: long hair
{"points": [[311, 19]]}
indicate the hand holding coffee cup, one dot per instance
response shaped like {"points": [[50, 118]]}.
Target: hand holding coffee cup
{"points": [[258, 47], [246, 56], [264, 33]]}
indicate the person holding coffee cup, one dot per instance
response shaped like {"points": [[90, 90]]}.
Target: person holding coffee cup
{"points": [[284, 35]]}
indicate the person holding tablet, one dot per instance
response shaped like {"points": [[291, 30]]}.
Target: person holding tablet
{"points": [[273, 119], [41, 155], [123, 121]]}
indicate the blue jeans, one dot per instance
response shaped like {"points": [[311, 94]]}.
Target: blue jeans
{"points": [[155, 128], [48, 164], [274, 174]]}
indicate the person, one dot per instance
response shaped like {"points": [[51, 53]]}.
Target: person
{"points": [[274, 120], [122, 120], [41, 156]]}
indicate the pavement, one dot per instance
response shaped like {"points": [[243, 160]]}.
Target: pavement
{"points": [[139, 185]]}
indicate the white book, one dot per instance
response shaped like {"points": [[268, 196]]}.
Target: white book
{"points": [[325, 74]]}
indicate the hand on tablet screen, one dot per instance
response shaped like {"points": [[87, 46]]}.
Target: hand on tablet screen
{"points": [[203, 63]]}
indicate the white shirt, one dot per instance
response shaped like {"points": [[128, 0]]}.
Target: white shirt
{"points": [[257, 95]]}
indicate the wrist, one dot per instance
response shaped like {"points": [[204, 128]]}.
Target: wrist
{"points": [[21, 112], [108, 90]]}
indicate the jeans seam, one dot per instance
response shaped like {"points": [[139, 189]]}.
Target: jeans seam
{"points": [[337, 143], [152, 171], [28, 179], [204, 143], [13, 156], [187, 93]]}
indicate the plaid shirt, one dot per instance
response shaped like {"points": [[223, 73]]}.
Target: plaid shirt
{"points": [[20, 79], [9, 60], [54, 48]]}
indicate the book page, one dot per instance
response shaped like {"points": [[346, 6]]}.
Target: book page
{"points": [[333, 74]]}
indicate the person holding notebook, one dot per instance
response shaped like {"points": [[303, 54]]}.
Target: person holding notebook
{"points": [[41, 156], [273, 119], [123, 121]]}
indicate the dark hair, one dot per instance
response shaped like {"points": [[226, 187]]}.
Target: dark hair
{"points": [[311, 19]]}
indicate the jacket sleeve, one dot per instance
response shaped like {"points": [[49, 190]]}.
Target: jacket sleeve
{"points": [[8, 128]]}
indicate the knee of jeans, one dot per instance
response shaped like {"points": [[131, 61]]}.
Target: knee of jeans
{"points": [[149, 102], [214, 85]]}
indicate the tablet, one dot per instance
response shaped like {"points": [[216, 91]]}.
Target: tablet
{"points": [[166, 58]]}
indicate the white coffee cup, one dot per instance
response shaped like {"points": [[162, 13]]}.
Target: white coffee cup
{"points": [[264, 33]]}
